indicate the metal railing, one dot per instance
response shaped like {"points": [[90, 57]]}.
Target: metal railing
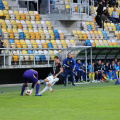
{"points": [[79, 8]]}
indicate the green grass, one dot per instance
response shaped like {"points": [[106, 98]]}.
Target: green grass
{"points": [[98, 101]]}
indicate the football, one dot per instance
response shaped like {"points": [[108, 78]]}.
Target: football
{"points": [[28, 92]]}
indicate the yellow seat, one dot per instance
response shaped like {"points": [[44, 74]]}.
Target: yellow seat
{"points": [[44, 45], [34, 45], [37, 36], [51, 56], [1, 13], [31, 12], [15, 57], [37, 17], [17, 16], [32, 36], [80, 36], [27, 16], [27, 36], [29, 26], [47, 41], [42, 36], [54, 45], [41, 31], [52, 37], [25, 31], [22, 16], [18, 44], [61, 36], [24, 45], [19, 25], [74, 32], [37, 22], [78, 32], [30, 30]]}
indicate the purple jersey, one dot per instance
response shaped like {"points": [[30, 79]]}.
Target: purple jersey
{"points": [[30, 75]]}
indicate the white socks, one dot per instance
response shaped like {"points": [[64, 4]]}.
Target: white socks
{"points": [[45, 89]]}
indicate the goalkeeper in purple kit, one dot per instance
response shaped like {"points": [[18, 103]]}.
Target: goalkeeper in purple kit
{"points": [[30, 75]]}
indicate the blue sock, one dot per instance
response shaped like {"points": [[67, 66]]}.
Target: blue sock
{"points": [[96, 76], [37, 88], [23, 89]]}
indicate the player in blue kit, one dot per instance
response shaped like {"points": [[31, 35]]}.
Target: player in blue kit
{"points": [[30, 75]]}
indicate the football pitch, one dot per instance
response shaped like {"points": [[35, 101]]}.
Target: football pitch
{"points": [[94, 101]]}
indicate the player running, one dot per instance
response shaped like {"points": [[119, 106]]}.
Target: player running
{"points": [[30, 75], [51, 80]]}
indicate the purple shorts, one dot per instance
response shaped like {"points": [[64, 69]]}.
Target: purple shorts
{"points": [[30, 76]]}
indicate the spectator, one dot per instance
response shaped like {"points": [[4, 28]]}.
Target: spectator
{"points": [[69, 64], [113, 3], [53, 6], [115, 16], [96, 3], [99, 14], [34, 4], [98, 73], [106, 13]]}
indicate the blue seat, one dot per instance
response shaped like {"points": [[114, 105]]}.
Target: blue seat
{"points": [[89, 27], [103, 32], [1, 6], [37, 58], [30, 52], [87, 41], [11, 41], [49, 45], [88, 44], [105, 36], [42, 57], [21, 34], [55, 31], [57, 36]]}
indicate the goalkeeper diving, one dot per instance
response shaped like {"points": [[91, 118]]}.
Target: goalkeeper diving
{"points": [[51, 80]]}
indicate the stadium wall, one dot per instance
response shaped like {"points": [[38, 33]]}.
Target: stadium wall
{"points": [[11, 76]]}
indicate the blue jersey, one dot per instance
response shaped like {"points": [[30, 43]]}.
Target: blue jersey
{"points": [[117, 67], [89, 68], [30, 75], [69, 62], [79, 67], [106, 68]]}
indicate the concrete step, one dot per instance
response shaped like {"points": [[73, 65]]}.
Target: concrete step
{"points": [[45, 19]]}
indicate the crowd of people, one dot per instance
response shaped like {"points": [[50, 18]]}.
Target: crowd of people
{"points": [[101, 71], [104, 15]]}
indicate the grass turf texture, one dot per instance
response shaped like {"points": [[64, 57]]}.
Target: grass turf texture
{"points": [[98, 101]]}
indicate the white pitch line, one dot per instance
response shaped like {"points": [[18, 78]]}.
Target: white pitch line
{"points": [[61, 89]]}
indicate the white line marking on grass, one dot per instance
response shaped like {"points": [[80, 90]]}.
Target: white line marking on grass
{"points": [[62, 89]]}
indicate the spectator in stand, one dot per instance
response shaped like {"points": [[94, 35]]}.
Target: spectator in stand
{"points": [[96, 3], [34, 5], [98, 73], [115, 16], [99, 14], [113, 3], [106, 13], [51, 2]]}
